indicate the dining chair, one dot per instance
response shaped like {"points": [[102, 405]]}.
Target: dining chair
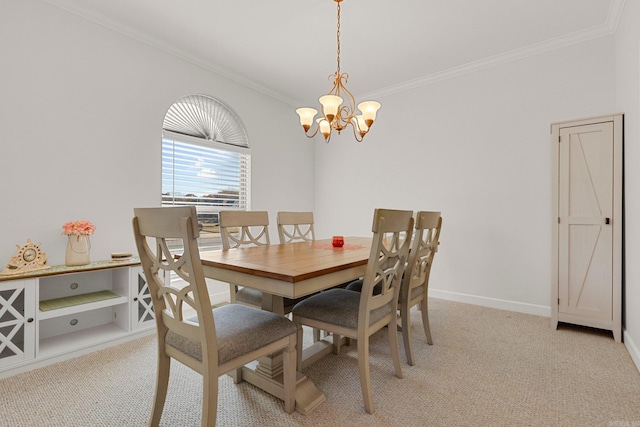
{"points": [[295, 227], [298, 227], [248, 228], [415, 282], [359, 315], [244, 228], [212, 342]]}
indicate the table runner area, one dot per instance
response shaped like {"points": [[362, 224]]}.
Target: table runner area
{"points": [[329, 246]]}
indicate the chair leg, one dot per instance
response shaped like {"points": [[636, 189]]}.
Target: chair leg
{"points": [[236, 374], [393, 344], [162, 383], [298, 346], [289, 374], [209, 398], [425, 320], [365, 377], [336, 343], [233, 290], [406, 333]]}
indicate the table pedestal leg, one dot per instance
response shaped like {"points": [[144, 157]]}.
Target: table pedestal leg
{"points": [[266, 372], [308, 397]]}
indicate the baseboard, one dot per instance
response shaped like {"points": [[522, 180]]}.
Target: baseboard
{"points": [[501, 304], [632, 348]]}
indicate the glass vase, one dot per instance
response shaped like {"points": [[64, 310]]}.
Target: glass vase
{"points": [[78, 250]]}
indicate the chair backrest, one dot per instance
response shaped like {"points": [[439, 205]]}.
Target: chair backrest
{"points": [[423, 249], [392, 231], [295, 226], [243, 228], [173, 305]]}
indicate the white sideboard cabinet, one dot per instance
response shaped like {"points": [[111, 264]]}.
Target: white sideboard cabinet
{"points": [[62, 312]]}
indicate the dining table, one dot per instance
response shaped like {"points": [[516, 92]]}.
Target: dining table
{"points": [[289, 270]]}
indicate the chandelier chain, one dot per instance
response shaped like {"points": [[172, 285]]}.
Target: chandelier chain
{"points": [[338, 38]]}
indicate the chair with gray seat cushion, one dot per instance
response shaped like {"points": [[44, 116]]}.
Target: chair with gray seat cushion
{"points": [[358, 315], [211, 342], [295, 227], [239, 229], [247, 228], [415, 283], [356, 286]]}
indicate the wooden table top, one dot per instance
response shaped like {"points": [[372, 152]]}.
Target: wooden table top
{"points": [[292, 262]]}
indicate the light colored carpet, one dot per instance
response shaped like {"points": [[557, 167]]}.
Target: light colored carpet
{"points": [[486, 368]]}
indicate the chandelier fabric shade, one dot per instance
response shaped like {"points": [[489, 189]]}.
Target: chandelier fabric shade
{"points": [[338, 107]]}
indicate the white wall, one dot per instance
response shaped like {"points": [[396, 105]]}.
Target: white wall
{"points": [[628, 101], [478, 148], [81, 110]]}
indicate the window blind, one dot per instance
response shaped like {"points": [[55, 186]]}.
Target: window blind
{"points": [[208, 175]]}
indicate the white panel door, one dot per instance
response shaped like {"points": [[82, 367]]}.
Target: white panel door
{"points": [[587, 223], [585, 214]]}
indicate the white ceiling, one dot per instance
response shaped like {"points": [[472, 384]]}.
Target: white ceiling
{"points": [[287, 48]]}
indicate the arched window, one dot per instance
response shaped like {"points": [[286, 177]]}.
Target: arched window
{"points": [[206, 162]]}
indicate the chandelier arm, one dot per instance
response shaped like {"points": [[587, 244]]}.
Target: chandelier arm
{"points": [[351, 100], [315, 132], [342, 119], [335, 89], [347, 111], [359, 136]]}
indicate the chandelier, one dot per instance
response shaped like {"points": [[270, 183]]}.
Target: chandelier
{"points": [[334, 114]]}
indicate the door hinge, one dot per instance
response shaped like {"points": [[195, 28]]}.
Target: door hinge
{"points": [[558, 301], [558, 220], [559, 138]]}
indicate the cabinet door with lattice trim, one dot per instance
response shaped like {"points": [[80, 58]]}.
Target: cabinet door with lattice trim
{"points": [[17, 325], [142, 314]]}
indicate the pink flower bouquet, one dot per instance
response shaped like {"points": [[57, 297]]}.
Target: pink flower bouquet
{"points": [[78, 228]]}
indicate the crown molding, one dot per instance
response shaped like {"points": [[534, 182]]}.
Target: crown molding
{"points": [[165, 47], [615, 13]]}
